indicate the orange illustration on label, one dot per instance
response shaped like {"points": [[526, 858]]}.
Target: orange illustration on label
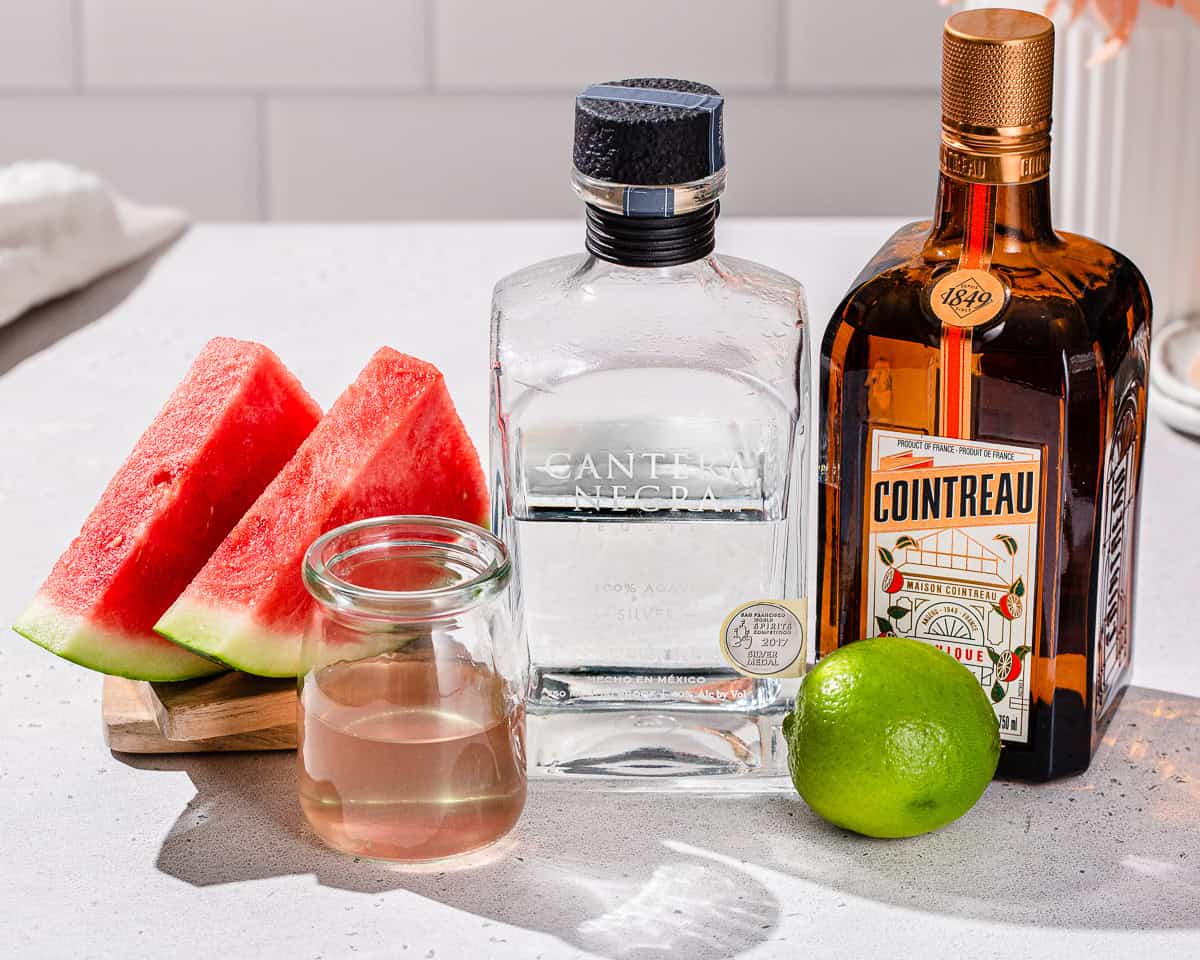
{"points": [[951, 547]]}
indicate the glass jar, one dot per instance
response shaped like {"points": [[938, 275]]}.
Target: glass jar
{"points": [[412, 684]]}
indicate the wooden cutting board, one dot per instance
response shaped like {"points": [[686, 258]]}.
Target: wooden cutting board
{"points": [[220, 706], [229, 712]]}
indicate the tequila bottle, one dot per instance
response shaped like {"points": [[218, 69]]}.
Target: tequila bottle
{"points": [[649, 435]]}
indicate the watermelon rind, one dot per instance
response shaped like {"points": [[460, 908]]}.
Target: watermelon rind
{"points": [[74, 638], [234, 639]]}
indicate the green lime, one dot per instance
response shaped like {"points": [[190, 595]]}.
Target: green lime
{"points": [[891, 738]]}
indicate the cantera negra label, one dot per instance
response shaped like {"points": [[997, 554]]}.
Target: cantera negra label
{"points": [[649, 481]]}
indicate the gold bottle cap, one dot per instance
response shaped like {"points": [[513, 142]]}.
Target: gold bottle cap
{"points": [[997, 87]]}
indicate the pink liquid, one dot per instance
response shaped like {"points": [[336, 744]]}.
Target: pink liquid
{"points": [[406, 757]]}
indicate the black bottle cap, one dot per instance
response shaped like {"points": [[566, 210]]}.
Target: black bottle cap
{"points": [[649, 131]]}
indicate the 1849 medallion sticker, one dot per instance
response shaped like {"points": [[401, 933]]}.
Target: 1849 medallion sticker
{"points": [[968, 298], [765, 638], [950, 558]]}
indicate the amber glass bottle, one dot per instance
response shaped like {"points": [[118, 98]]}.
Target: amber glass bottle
{"points": [[983, 411]]}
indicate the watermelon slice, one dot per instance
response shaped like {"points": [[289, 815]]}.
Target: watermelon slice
{"points": [[236, 418], [391, 444]]}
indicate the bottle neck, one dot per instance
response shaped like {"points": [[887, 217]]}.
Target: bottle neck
{"points": [[651, 241], [1016, 214]]}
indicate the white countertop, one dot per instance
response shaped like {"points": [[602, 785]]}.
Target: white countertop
{"points": [[109, 855]]}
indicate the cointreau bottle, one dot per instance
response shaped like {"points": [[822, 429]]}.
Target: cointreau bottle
{"points": [[983, 410]]}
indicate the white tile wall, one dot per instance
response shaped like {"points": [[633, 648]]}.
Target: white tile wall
{"points": [[36, 45], [840, 153], [549, 44], [864, 44], [373, 109], [361, 44], [377, 158], [199, 152]]}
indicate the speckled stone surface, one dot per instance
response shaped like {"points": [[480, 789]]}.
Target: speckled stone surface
{"points": [[111, 856]]}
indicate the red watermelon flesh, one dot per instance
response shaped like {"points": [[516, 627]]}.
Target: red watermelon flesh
{"points": [[391, 444], [237, 417]]}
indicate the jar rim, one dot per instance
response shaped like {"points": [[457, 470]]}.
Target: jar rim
{"points": [[490, 567]]}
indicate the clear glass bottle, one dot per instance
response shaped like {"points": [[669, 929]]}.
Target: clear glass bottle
{"points": [[649, 442]]}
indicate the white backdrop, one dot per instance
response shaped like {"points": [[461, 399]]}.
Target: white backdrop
{"points": [[403, 109], [462, 109]]}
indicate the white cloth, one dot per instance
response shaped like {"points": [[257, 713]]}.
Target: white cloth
{"points": [[61, 228]]}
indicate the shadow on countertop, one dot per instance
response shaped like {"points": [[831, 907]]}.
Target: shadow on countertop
{"points": [[46, 324], [630, 875], [580, 865]]}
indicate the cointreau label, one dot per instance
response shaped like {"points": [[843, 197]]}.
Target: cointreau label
{"points": [[1114, 612], [951, 541]]}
